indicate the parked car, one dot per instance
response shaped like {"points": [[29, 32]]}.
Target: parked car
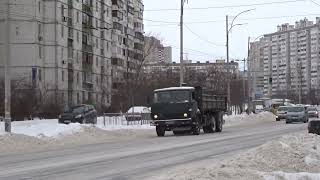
{"points": [[313, 112], [138, 113], [281, 113], [297, 114], [314, 126], [79, 114]]}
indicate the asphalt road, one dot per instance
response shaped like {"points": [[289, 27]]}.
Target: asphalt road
{"points": [[140, 158]]}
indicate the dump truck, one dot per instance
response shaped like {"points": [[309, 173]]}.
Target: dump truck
{"points": [[187, 109]]}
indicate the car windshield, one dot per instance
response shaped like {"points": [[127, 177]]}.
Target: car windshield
{"points": [[172, 96], [283, 109], [296, 109], [77, 109]]}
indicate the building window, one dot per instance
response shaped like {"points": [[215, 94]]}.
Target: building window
{"points": [[40, 75], [62, 52], [78, 98], [40, 52], [17, 31], [77, 77], [62, 30], [97, 43], [62, 11], [39, 5], [78, 36], [62, 75], [97, 61], [78, 16]]}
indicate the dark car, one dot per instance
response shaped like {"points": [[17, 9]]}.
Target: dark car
{"points": [[314, 126], [79, 114], [313, 112]]}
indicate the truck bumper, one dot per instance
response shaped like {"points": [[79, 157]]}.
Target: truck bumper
{"points": [[172, 123]]}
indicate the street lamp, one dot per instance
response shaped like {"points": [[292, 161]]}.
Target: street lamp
{"points": [[181, 44], [228, 30]]}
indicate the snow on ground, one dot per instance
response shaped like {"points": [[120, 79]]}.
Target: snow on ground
{"points": [[45, 134], [245, 119], [42, 128], [292, 157]]}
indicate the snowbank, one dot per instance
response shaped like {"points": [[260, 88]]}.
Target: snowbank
{"points": [[292, 157], [245, 118], [52, 129], [42, 128]]}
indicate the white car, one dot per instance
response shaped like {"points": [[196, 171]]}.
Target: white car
{"points": [[138, 113]]}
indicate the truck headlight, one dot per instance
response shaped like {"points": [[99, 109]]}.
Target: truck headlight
{"points": [[155, 116], [59, 116], [185, 115], [78, 116]]}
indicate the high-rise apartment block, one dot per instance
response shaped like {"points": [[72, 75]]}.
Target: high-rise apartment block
{"points": [[77, 51], [155, 52], [291, 61]]}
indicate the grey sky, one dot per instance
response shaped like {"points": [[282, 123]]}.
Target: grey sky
{"points": [[215, 31]]}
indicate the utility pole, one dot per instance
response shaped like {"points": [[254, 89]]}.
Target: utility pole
{"points": [[244, 79], [181, 45], [249, 77], [7, 81], [228, 70]]}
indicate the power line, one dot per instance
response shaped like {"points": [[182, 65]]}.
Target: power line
{"points": [[230, 6], [176, 9], [243, 19], [315, 2], [201, 38]]}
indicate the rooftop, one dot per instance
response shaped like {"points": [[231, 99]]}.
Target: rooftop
{"points": [[174, 89]]}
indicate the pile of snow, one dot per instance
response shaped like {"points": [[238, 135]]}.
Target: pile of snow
{"points": [[292, 157], [243, 118], [52, 129], [43, 128]]}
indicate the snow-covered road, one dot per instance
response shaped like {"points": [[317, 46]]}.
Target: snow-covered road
{"points": [[143, 156]]}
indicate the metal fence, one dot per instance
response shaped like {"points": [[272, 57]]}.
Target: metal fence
{"points": [[117, 119]]}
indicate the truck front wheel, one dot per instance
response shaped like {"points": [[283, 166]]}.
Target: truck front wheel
{"points": [[196, 129], [160, 131], [219, 122]]}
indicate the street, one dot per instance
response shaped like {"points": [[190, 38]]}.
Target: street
{"points": [[140, 158]]}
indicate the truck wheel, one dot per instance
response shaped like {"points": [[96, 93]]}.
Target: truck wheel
{"points": [[160, 131], [218, 122], [196, 129]]}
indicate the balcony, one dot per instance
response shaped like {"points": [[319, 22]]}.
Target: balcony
{"points": [[87, 7], [70, 21], [70, 4], [70, 33], [87, 48]]}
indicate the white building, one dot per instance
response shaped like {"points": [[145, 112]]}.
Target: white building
{"points": [[67, 48], [291, 60]]}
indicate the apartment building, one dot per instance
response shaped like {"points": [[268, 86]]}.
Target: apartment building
{"points": [[197, 67], [291, 60], [70, 49], [256, 69], [156, 52]]}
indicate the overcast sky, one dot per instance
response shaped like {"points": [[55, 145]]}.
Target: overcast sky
{"points": [[202, 45]]}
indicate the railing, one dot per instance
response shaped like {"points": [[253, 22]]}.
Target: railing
{"points": [[126, 119]]}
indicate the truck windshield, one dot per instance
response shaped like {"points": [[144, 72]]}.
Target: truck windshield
{"points": [[172, 97]]}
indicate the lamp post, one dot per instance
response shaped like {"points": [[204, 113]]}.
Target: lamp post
{"points": [[7, 80], [181, 45], [228, 30]]}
